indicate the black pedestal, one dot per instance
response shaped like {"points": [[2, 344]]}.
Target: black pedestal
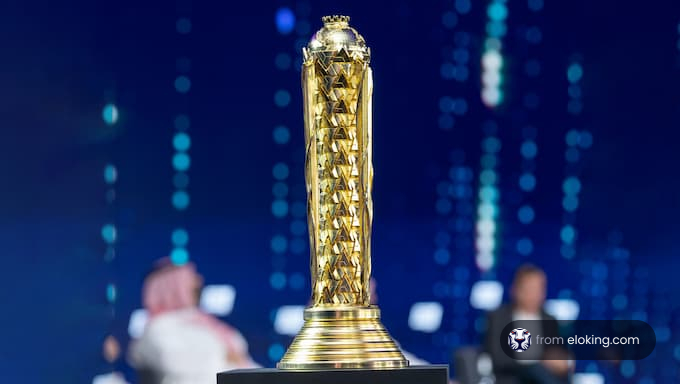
{"points": [[426, 374]]}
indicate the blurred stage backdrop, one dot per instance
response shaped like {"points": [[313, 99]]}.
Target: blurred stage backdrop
{"points": [[505, 132]]}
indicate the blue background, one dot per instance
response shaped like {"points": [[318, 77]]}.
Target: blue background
{"points": [[62, 64]]}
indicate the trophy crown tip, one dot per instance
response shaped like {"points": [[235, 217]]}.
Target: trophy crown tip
{"points": [[335, 19]]}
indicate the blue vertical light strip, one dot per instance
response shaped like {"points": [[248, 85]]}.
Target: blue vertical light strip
{"points": [[526, 213], [492, 58], [282, 204], [181, 142], [288, 207], [297, 280], [492, 96], [109, 230], [454, 205], [577, 140]]}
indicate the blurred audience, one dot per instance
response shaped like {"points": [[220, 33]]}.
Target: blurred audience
{"points": [[528, 294], [181, 344]]}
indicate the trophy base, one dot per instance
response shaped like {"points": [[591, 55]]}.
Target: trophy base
{"points": [[425, 374], [340, 338]]}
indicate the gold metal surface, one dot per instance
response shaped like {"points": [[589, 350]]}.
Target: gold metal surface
{"points": [[341, 329]]}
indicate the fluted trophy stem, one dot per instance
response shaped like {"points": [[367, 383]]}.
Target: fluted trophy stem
{"points": [[342, 329]]}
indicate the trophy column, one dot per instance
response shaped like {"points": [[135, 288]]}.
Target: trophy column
{"points": [[341, 329]]}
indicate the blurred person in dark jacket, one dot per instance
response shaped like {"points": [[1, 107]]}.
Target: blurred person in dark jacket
{"points": [[528, 294]]}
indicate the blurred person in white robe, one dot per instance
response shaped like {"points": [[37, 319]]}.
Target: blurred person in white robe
{"points": [[181, 344]]}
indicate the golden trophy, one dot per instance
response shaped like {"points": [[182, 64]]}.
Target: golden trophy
{"points": [[342, 340], [341, 329]]}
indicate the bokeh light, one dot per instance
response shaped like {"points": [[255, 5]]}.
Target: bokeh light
{"points": [[281, 134], [182, 84], [180, 237], [110, 114], [285, 20], [180, 200], [183, 25], [179, 256], [181, 141]]}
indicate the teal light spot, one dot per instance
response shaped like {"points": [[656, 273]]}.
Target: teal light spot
{"points": [[627, 368], [496, 29], [568, 234], [182, 84], [110, 174], [572, 138], [529, 149], [488, 177], [275, 352], [571, 186], [277, 280], [525, 214], [487, 210], [180, 200], [491, 144], [280, 171], [488, 160], [181, 141], [280, 208], [527, 182], [179, 256], [585, 140], [488, 193], [570, 203], [279, 244], [109, 233], [281, 134], [181, 161], [110, 114], [180, 237], [111, 293], [281, 98], [574, 72], [497, 11]]}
